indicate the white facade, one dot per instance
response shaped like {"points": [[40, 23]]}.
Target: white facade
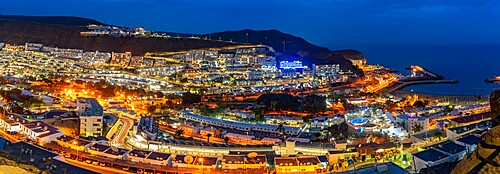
{"points": [[91, 116], [239, 125], [410, 123]]}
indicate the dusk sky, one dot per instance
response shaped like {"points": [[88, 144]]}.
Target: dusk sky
{"points": [[327, 23]]}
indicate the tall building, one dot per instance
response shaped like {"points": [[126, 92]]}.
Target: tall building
{"points": [[326, 70], [413, 125], [33, 47], [91, 113], [120, 59], [149, 124]]}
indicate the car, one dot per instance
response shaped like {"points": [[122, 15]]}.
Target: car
{"points": [[95, 163], [125, 168], [67, 155], [102, 164], [88, 161]]}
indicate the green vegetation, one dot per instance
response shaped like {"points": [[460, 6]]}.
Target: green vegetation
{"points": [[190, 98], [314, 104], [417, 128], [338, 131], [438, 135], [178, 133], [208, 137], [278, 102], [212, 112]]}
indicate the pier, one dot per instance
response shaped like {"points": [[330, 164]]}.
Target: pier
{"points": [[418, 76], [400, 85]]}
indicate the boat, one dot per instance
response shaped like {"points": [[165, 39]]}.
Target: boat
{"points": [[495, 79]]}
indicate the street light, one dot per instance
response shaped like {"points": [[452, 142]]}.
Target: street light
{"points": [[201, 160]]}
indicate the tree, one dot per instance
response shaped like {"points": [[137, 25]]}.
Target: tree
{"points": [[338, 131], [417, 128], [208, 137], [190, 98], [279, 102], [314, 104], [419, 104], [438, 134], [281, 130], [184, 80], [151, 109], [179, 132], [226, 139], [273, 105], [307, 119]]}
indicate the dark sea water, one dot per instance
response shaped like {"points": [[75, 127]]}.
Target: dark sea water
{"points": [[469, 64]]}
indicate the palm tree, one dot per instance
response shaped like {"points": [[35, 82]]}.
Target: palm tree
{"points": [[439, 134], [179, 132], [281, 129], [417, 128], [208, 137], [273, 105], [226, 139]]}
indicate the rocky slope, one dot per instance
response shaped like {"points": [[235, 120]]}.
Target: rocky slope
{"points": [[486, 157]]}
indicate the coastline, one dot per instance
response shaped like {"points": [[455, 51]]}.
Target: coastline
{"points": [[433, 95]]}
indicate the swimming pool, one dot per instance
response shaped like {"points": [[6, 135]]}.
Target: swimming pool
{"points": [[359, 121]]}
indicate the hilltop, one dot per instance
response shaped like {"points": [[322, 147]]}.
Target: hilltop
{"points": [[64, 32], [58, 20]]}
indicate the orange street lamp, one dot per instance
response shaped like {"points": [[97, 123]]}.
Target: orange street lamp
{"points": [[201, 160]]}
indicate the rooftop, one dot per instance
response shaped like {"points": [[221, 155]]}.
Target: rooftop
{"points": [[472, 118], [243, 159], [99, 147], [286, 161], [52, 114], [65, 138], [95, 108], [39, 154], [207, 161], [181, 159], [139, 153], [308, 160], [69, 139], [470, 139], [430, 155], [158, 156], [449, 147], [323, 159], [480, 125], [116, 151]]}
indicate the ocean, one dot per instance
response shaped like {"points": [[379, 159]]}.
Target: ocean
{"points": [[469, 64]]}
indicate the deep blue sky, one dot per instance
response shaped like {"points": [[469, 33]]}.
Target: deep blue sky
{"points": [[327, 23]]}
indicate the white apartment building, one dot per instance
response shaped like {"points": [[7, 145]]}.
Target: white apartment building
{"points": [[91, 113], [410, 123]]}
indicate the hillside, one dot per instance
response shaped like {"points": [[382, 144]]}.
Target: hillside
{"points": [[293, 45], [64, 32], [58, 20]]}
